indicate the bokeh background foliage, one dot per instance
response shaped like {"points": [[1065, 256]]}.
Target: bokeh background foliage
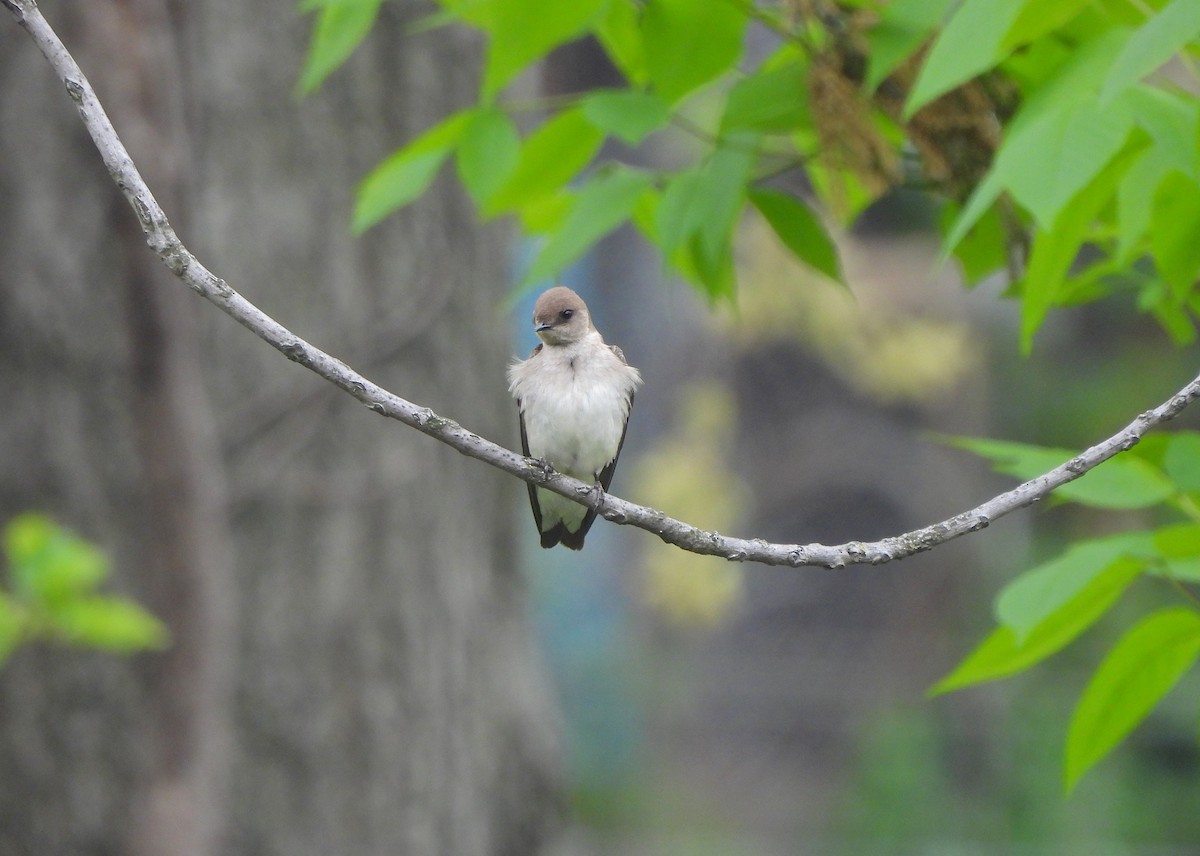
{"points": [[349, 668], [51, 594]]}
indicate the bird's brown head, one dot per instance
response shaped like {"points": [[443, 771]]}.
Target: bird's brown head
{"points": [[560, 317]]}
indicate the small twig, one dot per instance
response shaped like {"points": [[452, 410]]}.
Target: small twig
{"points": [[717, 141], [545, 102], [776, 25], [797, 161], [1184, 592], [164, 242]]}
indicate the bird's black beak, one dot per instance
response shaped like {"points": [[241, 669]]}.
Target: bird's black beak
{"points": [[540, 327]]}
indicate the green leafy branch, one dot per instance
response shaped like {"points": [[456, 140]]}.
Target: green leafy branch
{"points": [[53, 577], [1042, 128], [1049, 606], [550, 178]]}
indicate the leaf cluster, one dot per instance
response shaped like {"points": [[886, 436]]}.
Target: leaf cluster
{"points": [[1050, 605], [53, 577], [1046, 129]]}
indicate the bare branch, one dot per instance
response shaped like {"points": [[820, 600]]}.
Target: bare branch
{"points": [[163, 241]]}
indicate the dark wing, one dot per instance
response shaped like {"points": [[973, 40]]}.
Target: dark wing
{"points": [[533, 500], [549, 539], [574, 540], [606, 474]]}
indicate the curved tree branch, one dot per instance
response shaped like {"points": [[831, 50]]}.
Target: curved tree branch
{"points": [[164, 242]]}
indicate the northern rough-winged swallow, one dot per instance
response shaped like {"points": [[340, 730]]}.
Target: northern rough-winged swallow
{"points": [[574, 394]]}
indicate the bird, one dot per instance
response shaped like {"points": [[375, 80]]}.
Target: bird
{"points": [[574, 394]]}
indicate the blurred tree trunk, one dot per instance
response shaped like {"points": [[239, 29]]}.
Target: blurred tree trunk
{"points": [[351, 669]]}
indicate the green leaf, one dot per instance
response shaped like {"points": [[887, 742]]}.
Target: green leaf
{"points": [[54, 573], [48, 563], [1154, 297], [1002, 654], [434, 21], [1178, 541], [620, 33], [1128, 13], [1179, 547], [800, 230], [550, 157], [1182, 461], [487, 153], [1064, 155], [27, 537], [109, 623], [969, 45], [680, 213], [1037, 142], [1090, 280], [726, 176], [705, 202], [700, 210], [1135, 201], [1021, 460], [1183, 570], [713, 271], [709, 264], [1152, 44], [904, 25], [692, 43], [1119, 483], [1037, 18], [1048, 159], [1125, 481], [693, 219], [1172, 121], [1141, 668], [604, 203], [1041, 591], [1054, 251], [626, 114], [983, 249], [522, 31], [477, 13], [843, 194], [546, 213], [406, 173], [1175, 232], [341, 25], [1050, 259], [769, 100]]}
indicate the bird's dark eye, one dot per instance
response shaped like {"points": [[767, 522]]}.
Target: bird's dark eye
{"points": [[566, 313]]}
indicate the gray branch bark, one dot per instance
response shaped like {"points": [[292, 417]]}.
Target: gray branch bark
{"points": [[166, 245]]}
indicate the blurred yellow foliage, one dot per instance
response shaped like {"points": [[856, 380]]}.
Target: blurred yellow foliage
{"points": [[880, 338], [688, 476]]}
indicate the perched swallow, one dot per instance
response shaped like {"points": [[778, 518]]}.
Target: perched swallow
{"points": [[574, 394]]}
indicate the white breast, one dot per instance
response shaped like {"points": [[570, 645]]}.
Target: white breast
{"points": [[575, 400]]}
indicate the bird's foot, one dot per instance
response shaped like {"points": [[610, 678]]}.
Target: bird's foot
{"points": [[543, 466]]}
